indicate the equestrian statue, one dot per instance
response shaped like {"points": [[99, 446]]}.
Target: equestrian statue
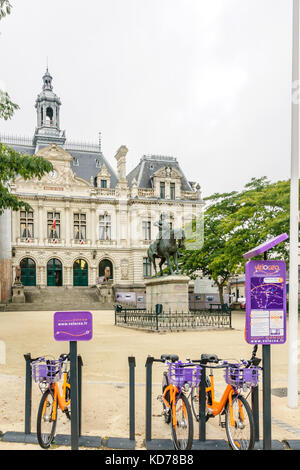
{"points": [[166, 246]]}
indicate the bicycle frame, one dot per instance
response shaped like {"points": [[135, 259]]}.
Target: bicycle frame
{"points": [[173, 392], [217, 407], [59, 399]]}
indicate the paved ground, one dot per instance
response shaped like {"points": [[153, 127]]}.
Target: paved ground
{"points": [[105, 373]]}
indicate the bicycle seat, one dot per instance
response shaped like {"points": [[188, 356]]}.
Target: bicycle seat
{"points": [[64, 357], [169, 357], [205, 358]]}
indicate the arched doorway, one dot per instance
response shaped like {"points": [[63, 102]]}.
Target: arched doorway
{"points": [[103, 265], [80, 273], [28, 272], [54, 273]]}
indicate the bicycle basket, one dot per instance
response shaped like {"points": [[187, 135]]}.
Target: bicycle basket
{"points": [[238, 376], [179, 375], [46, 370]]}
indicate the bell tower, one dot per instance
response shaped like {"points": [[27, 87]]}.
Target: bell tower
{"points": [[48, 126]]}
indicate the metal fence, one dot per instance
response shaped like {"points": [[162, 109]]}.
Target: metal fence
{"points": [[141, 319]]}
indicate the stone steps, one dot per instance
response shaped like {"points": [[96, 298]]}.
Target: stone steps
{"points": [[59, 298]]}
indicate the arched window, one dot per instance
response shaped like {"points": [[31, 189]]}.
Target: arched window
{"points": [[106, 269], [49, 114]]}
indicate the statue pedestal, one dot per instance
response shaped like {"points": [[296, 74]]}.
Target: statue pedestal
{"points": [[170, 291], [18, 296], [106, 292]]}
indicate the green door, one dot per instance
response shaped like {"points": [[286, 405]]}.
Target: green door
{"points": [[54, 272], [80, 273], [28, 272]]}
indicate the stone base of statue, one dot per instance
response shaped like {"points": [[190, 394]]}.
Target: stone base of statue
{"points": [[172, 292], [106, 292], [18, 296]]}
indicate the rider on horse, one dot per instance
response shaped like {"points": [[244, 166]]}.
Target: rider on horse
{"points": [[163, 231]]}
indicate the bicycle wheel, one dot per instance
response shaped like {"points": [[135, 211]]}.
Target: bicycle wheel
{"points": [[45, 425], [183, 432], [166, 410], [241, 435], [195, 400]]}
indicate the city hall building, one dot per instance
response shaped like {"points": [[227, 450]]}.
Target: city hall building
{"points": [[86, 217]]}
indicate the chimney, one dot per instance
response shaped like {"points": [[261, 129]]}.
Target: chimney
{"points": [[121, 162]]}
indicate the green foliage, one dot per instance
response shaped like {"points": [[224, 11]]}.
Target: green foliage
{"points": [[13, 164], [7, 107], [236, 222], [5, 8]]}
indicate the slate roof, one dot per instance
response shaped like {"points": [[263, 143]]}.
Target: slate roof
{"points": [[150, 164], [89, 162]]}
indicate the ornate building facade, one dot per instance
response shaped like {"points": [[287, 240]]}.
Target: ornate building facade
{"points": [[86, 217]]}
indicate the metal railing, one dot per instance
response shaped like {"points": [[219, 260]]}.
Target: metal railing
{"points": [[141, 319]]}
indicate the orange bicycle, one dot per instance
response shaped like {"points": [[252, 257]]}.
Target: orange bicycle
{"points": [[178, 380], [239, 422], [47, 374]]}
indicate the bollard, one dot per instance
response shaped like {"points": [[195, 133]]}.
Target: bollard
{"points": [[149, 364], [131, 362], [28, 393], [202, 406], [255, 411]]}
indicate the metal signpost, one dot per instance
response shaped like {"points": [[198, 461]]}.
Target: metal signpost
{"points": [[266, 315], [73, 327]]}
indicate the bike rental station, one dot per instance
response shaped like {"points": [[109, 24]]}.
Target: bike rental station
{"points": [[188, 387]]}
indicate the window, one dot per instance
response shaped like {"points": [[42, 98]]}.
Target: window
{"points": [[103, 183], [105, 227], [98, 163], [146, 229], [147, 268], [172, 190], [162, 190], [26, 224], [49, 115], [75, 161], [79, 226], [53, 225]]}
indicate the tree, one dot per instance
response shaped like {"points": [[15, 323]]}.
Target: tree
{"points": [[236, 222], [13, 163]]}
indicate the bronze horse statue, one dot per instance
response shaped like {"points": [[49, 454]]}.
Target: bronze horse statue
{"points": [[165, 248]]}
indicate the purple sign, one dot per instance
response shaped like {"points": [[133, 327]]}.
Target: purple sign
{"points": [[266, 246], [265, 302], [73, 326]]}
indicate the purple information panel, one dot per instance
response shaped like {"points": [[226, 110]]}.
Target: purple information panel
{"points": [[73, 326], [266, 302]]}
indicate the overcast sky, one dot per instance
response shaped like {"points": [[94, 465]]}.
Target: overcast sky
{"points": [[206, 81]]}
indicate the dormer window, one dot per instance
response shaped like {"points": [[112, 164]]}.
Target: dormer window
{"points": [[103, 178], [75, 161], [98, 163]]}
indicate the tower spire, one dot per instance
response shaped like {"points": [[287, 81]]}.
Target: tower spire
{"points": [[48, 106]]}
